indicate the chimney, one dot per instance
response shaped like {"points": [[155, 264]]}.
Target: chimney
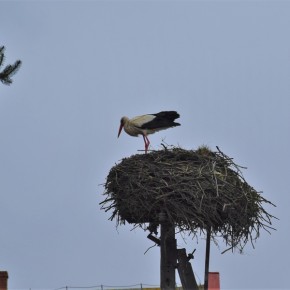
{"points": [[3, 280], [213, 281]]}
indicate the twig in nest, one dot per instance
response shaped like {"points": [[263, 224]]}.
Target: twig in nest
{"points": [[149, 248]]}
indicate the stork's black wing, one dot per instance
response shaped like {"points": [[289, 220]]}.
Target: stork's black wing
{"points": [[164, 119]]}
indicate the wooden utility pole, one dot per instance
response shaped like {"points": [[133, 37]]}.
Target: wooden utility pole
{"points": [[185, 271], [207, 255], [168, 254]]}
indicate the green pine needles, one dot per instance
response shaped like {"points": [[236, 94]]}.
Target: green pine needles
{"points": [[9, 70]]}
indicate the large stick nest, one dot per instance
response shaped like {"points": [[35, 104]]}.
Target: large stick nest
{"points": [[196, 190]]}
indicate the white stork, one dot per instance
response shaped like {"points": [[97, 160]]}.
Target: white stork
{"points": [[148, 124]]}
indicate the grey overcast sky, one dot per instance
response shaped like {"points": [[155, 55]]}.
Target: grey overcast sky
{"points": [[223, 65]]}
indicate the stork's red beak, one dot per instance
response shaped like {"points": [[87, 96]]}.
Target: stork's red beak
{"points": [[120, 129]]}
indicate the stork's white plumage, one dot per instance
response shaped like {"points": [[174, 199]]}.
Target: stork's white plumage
{"points": [[148, 124]]}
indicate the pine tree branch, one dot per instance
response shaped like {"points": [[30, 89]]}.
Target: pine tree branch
{"points": [[2, 48], [9, 70]]}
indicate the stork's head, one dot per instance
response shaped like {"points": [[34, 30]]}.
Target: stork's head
{"points": [[122, 123]]}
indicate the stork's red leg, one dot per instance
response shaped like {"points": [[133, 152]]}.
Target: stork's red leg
{"points": [[147, 142]]}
